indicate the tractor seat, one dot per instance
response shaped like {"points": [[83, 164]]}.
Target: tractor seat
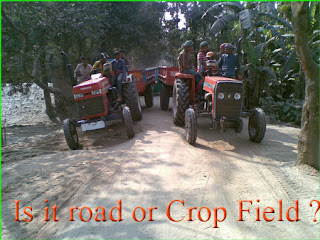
{"points": [[183, 75]]}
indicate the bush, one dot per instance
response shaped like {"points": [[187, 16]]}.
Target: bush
{"points": [[284, 110]]}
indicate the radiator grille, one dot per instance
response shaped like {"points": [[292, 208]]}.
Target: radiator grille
{"points": [[228, 107], [90, 106]]}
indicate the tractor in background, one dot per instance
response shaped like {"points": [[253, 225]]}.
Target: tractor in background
{"points": [[144, 80]]}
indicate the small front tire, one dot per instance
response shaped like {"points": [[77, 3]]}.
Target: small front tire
{"points": [[257, 125], [126, 115], [191, 126], [70, 134]]}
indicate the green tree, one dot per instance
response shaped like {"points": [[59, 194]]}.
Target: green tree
{"points": [[35, 33]]}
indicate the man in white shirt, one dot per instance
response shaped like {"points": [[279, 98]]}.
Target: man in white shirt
{"points": [[82, 71]]}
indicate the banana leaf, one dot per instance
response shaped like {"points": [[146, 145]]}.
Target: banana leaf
{"points": [[288, 63], [222, 22], [276, 17], [246, 19], [236, 6], [268, 70]]}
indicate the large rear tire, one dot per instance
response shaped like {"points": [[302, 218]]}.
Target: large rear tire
{"points": [[70, 134], [164, 97], [148, 96], [128, 122], [132, 100], [180, 101], [257, 125], [191, 126]]}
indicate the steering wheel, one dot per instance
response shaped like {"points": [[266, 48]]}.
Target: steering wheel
{"points": [[95, 71]]}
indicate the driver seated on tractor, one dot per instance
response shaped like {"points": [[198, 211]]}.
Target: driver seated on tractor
{"points": [[123, 56], [227, 63], [82, 71], [120, 73], [185, 62]]}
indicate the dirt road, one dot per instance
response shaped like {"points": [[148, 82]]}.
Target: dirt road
{"points": [[151, 170]]}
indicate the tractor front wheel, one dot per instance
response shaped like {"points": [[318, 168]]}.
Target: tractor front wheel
{"points": [[126, 115], [132, 100], [70, 134], [148, 96], [191, 126], [164, 97], [257, 125], [180, 101]]}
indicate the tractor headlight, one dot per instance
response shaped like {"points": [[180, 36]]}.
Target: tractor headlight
{"points": [[221, 96], [78, 95], [96, 92], [237, 96]]}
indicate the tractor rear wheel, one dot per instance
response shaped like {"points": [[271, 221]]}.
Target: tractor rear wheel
{"points": [[164, 97], [180, 101], [191, 126], [132, 100], [70, 134], [257, 125], [126, 115], [148, 96]]}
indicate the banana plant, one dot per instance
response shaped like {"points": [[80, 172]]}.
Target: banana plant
{"points": [[260, 27]]}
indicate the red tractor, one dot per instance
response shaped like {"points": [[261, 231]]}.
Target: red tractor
{"points": [[222, 103], [144, 79], [96, 103], [166, 76]]}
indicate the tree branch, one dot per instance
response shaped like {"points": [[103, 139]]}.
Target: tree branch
{"points": [[12, 25], [34, 78], [34, 75]]}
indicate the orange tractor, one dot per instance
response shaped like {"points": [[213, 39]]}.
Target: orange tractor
{"points": [[97, 104], [223, 103]]}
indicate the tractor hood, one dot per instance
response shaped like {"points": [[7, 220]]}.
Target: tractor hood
{"points": [[96, 82], [210, 82]]}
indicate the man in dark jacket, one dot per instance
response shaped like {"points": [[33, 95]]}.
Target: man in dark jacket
{"points": [[120, 73], [227, 63]]}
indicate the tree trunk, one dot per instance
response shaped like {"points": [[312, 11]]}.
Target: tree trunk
{"points": [[47, 98], [308, 140]]}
